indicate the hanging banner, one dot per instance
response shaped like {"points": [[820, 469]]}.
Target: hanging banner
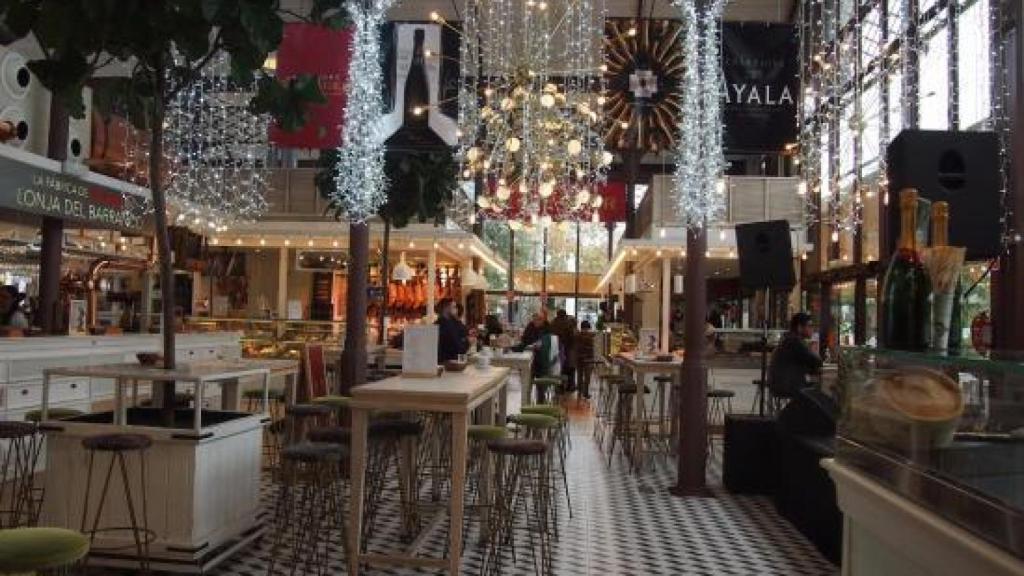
{"points": [[613, 207], [324, 52], [762, 85]]}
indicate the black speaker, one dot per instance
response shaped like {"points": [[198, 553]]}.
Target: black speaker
{"points": [[961, 168], [749, 453], [765, 254]]}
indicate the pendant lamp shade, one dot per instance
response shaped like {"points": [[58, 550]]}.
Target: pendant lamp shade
{"points": [[402, 271]]}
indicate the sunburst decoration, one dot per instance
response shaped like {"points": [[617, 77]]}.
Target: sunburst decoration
{"points": [[643, 63]]}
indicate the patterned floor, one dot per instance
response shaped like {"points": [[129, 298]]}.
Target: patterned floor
{"points": [[622, 524]]}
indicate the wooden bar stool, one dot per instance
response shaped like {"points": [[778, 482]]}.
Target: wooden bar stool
{"points": [[719, 404], [392, 449], [118, 446], [521, 479], [309, 508], [302, 417]]}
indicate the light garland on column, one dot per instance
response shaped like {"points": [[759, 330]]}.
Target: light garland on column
{"points": [[360, 182], [699, 161]]}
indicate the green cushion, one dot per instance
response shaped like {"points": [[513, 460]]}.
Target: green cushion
{"points": [[484, 432], [547, 381], [546, 409], [333, 401], [30, 549], [55, 414], [541, 421]]}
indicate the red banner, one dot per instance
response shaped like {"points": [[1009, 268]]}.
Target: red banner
{"points": [[613, 208], [316, 50]]}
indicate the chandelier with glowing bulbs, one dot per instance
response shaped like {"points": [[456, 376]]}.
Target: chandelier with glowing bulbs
{"points": [[530, 109]]}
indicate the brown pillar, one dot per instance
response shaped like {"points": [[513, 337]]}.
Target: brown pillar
{"points": [[353, 359], [691, 402], [52, 246]]}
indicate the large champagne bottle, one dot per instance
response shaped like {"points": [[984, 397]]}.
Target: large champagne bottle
{"points": [[905, 307]]}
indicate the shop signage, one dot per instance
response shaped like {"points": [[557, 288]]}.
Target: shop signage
{"points": [[325, 53], [25, 188], [760, 65]]}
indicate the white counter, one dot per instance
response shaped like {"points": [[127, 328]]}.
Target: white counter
{"points": [[22, 361]]}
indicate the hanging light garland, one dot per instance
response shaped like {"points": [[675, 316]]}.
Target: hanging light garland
{"points": [[879, 51], [216, 152], [698, 181], [361, 185], [530, 108]]}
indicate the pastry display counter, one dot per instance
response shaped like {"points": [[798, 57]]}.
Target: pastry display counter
{"points": [[273, 338], [932, 444]]}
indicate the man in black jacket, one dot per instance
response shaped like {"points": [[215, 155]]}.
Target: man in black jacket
{"points": [[450, 332], [793, 360]]}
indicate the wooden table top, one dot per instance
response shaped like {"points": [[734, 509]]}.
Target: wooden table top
{"points": [[450, 392], [194, 372], [512, 358], [650, 362]]}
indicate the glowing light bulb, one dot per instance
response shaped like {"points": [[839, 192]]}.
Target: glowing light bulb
{"points": [[583, 196], [631, 32], [597, 201], [835, 236], [483, 202], [513, 144], [575, 147], [547, 100], [607, 158], [503, 193], [473, 154], [546, 189], [601, 100], [263, 241]]}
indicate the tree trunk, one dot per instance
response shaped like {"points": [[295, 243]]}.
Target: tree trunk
{"points": [[163, 242], [353, 360], [385, 279]]}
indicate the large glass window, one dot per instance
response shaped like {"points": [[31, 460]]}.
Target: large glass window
{"points": [[934, 76], [973, 67], [871, 110]]}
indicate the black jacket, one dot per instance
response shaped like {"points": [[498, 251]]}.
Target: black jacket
{"points": [[451, 339], [792, 361]]}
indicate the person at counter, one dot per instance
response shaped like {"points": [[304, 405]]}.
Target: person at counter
{"points": [[537, 327], [11, 315], [565, 328], [451, 334], [584, 356], [492, 328], [793, 360]]}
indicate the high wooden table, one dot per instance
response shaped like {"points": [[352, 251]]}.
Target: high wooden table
{"points": [[457, 394], [523, 362], [641, 366]]}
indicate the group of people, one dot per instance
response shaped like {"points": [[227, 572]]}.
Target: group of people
{"points": [[575, 349]]}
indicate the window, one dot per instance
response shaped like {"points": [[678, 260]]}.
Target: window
{"points": [[973, 82], [933, 94], [871, 106], [895, 103]]}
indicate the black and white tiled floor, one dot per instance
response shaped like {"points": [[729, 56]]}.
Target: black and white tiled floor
{"points": [[625, 524]]}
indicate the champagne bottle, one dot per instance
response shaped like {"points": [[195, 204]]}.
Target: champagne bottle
{"points": [[906, 311], [417, 92]]}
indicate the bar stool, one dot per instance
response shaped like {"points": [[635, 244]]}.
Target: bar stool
{"points": [[622, 428], [301, 417], [388, 439], [34, 550], [254, 399], [479, 435], [548, 429], [663, 386], [521, 483], [338, 404], [18, 496], [118, 446], [310, 507], [609, 384], [719, 404]]}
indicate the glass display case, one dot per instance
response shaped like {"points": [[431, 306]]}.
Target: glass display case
{"points": [[273, 338], [945, 432]]}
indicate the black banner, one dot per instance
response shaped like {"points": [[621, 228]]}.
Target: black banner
{"points": [[761, 68]]}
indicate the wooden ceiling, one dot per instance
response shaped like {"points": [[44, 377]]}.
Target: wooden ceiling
{"points": [[736, 10]]}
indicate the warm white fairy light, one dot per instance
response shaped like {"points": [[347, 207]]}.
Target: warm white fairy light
{"points": [[528, 106], [216, 152], [699, 158], [360, 183]]}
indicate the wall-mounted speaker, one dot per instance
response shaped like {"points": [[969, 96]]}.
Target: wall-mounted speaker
{"points": [[765, 252], [961, 168], [80, 132], [24, 103]]}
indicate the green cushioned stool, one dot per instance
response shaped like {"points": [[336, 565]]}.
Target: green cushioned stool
{"points": [[535, 421], [336, 402], [28, 550], [486, 433], [54, 414], [544, 386], [552, 410]]}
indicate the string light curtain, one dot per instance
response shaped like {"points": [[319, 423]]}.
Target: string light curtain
{"points": [[530, 108], [698, 184], [361, 185], [216, 152]]}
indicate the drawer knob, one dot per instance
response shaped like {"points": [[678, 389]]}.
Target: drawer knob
{"points": [[74, 385], [24, 392]]}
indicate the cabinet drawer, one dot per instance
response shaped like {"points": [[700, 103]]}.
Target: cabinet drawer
{"points": [[28, 395], [69, 390]]}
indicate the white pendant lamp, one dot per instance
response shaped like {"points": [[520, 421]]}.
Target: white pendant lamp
{"points": [[402, 271]]}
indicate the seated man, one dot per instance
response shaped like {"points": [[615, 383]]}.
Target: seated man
{"points": [[793, 360]]}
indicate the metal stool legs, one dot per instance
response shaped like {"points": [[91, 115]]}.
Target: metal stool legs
{"points": [[19, 498]]}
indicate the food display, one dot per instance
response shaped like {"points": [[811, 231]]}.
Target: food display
{"points": [[274, 338]]}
